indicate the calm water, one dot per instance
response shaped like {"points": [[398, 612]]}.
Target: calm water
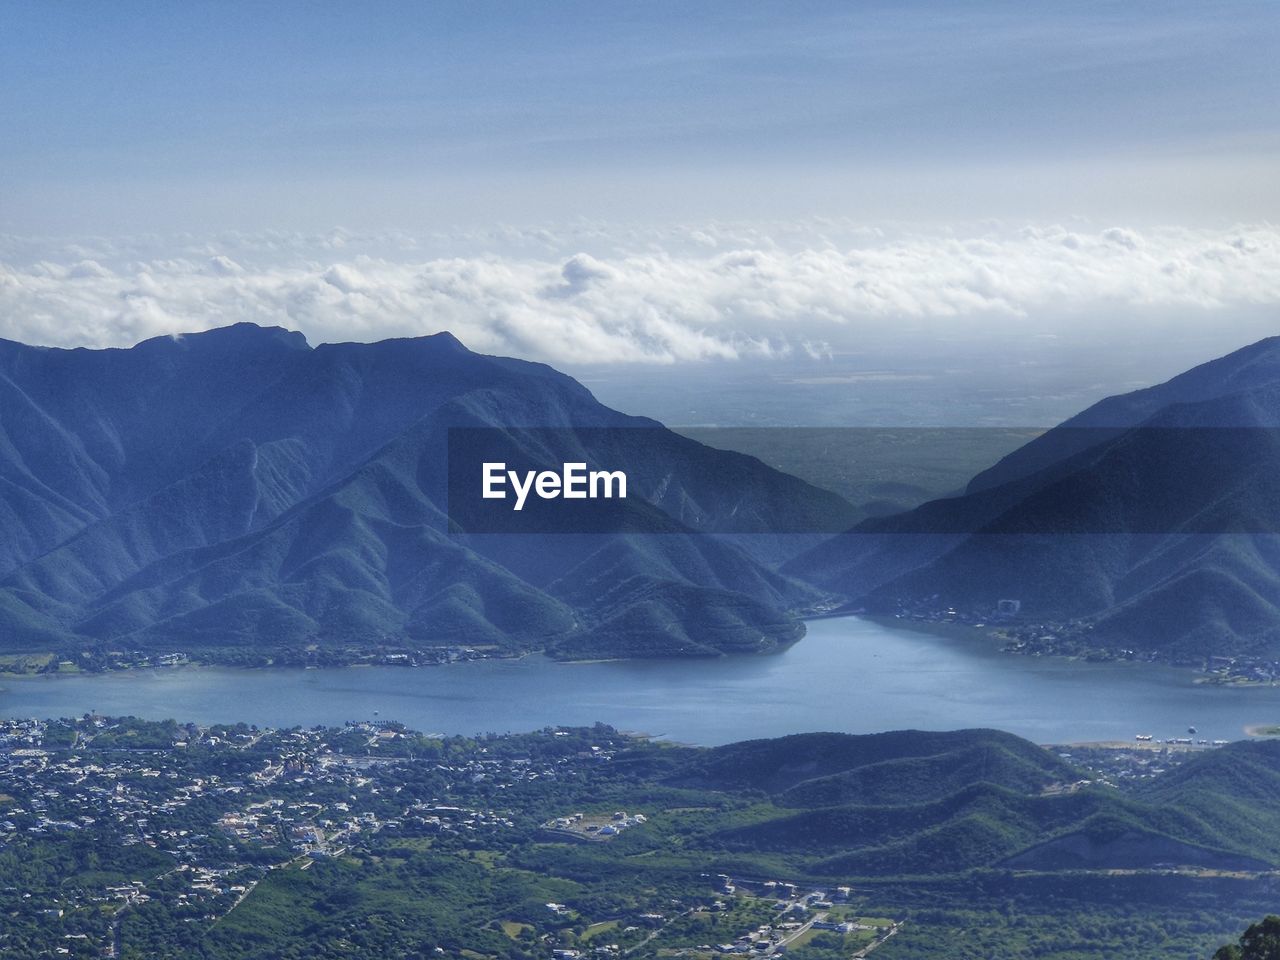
{"points": [[847, 674]]}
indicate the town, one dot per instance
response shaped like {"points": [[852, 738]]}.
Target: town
{"points": [[127, 838], [1007, 623]]}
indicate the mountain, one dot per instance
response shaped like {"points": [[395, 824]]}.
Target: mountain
{"points": [[821, 769], [1148, 521], [238, 494], [1248, 369], [920, 803]]}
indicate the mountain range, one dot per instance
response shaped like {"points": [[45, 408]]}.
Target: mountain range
{"points": [[1147, 521], [240, 495]]}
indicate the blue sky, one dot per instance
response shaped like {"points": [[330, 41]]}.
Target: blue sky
{"points": [[202, 115], [649, 183]]}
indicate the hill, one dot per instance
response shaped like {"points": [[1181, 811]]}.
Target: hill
{"points": [[238, 494], [920, 803], [812, 768], [1147, 522], [573, 836]]}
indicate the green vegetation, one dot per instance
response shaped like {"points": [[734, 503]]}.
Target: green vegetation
{"points": [[1136, 528], [879, 470], [1260, 942], [252, 501], [28, 663], [169, 840]]}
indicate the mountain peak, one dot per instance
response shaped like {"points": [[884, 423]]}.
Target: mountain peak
{"points": [[443, 342], [1146, 518], [235, 336], [445, 338], [235, 489]]}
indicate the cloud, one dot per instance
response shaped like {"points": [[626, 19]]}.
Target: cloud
{"points": [[653, 295], [224, 266]]}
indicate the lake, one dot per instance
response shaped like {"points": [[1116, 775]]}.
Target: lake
{"points": [[848, 674]]}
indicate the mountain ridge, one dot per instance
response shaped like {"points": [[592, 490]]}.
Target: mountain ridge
{"points": [[240, 489], [1148, 521], [920, 805]]}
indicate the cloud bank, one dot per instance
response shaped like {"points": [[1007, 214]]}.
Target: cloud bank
{"points": [[683, 294]]}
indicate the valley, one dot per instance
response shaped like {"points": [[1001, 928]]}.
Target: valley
{"points": [[661, 481], [318, 549], [340, 505], [129, 838]]}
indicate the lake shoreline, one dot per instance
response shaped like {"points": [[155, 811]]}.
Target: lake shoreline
{"points": [[1264, 731], [851, 675]]}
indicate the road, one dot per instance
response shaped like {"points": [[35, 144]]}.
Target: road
{"points": [[865, 951]]}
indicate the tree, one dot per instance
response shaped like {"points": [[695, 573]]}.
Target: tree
{"points": [[1260, 942]]}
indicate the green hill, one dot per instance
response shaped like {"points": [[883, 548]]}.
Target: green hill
{"points": [[239, 494], [805, 769], [919, 803], [1149, 521]]}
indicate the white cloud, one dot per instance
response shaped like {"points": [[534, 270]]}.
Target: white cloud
{"points": [[224, 266], [640, 295]]}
